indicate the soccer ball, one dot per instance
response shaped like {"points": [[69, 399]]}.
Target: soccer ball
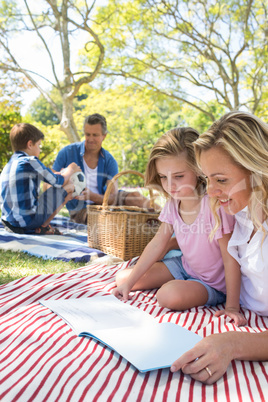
{"points": [[79, 181]]}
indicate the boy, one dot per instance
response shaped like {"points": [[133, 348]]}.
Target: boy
{"points": [[23, 210]]}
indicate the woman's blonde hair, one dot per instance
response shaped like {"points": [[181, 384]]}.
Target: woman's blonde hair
{"points": [[244, 137], [171, 144]]}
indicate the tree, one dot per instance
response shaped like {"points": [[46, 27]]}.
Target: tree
{"points": [[10, 103], [191, 117], [61, 21], [42, 111], [193, 51], [8, 119]]}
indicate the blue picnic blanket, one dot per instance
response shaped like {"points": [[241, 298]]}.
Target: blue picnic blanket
{"points": [[71, 245]]}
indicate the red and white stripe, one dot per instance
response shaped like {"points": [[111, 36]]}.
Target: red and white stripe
{"points": [[42, 360]]}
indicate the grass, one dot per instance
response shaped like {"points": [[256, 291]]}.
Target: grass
{"points": [[18, 265]]}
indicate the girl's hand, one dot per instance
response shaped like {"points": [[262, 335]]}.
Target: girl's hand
{"points": [[122, 292], [208, 360], [233, 313]]}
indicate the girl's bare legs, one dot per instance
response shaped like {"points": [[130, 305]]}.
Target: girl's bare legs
{"points": [[173, 293], [182, 295], [155, 277]]}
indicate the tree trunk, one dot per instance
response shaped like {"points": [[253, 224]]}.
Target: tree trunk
{"points": [[67, 123]]}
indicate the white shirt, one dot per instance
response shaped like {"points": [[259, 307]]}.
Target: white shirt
{"points": [[91, 179], [252, 255]]}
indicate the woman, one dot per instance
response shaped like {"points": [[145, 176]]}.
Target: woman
{"points": [[233, 154]]}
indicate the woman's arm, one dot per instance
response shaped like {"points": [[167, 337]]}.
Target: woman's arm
{"points": [[233, 283], [152, 253], [217, 351]]}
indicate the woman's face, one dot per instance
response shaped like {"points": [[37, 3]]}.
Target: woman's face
{"points": [[227, 182]]}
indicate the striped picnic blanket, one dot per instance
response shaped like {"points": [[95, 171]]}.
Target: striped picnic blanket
{"points": [[72, 245], [43, 360]]}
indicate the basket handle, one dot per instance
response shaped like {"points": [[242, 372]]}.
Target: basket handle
{"points": [[113, 180]]}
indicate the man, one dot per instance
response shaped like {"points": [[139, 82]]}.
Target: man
{"points": [[99, 167]]}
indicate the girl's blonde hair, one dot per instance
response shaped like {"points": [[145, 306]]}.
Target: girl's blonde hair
{"points": [[171, 144], [244, 137]]}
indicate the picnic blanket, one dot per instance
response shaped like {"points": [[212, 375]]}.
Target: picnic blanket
{"points": [[72, 245], [43, 360]]}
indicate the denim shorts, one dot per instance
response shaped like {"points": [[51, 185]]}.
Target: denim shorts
{"points": [[176, 269]]}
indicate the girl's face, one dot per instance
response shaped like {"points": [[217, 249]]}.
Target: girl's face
{"points": [[177, 179], [227, 182]]}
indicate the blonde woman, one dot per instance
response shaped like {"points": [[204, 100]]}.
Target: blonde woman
{"points": [[233, 154]]}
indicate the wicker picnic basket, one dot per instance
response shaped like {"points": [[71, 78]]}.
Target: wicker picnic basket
{"points": [[121, 231]]}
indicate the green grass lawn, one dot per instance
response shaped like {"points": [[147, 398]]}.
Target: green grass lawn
{"points": [[18, 265], [15, 265]]}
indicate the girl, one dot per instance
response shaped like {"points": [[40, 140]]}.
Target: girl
{"points": [[197, 277], [233, 154]]}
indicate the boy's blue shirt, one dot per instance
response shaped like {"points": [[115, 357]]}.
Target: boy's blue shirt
{"points": [[107, 168], [19, 187]]}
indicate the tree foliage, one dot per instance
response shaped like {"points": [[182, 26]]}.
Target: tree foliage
{"points": [[147, 65], [10, 103], [192, 51], [42, 111], [8, 119], [11, 90], [58, 22]]}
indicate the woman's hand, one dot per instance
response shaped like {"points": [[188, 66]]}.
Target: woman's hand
{"points": [[208, 360], [233, 313]]}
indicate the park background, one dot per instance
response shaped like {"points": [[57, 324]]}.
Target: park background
{"points": [[146, 65]]}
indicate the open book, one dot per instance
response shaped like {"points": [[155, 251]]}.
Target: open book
{"points": [[131, 332]]}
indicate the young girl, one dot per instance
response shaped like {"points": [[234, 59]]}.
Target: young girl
{"points": [[197, 277]]}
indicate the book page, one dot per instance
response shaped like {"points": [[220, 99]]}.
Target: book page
{"points": [[151, 347], [131, 332], [98, 312]]}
